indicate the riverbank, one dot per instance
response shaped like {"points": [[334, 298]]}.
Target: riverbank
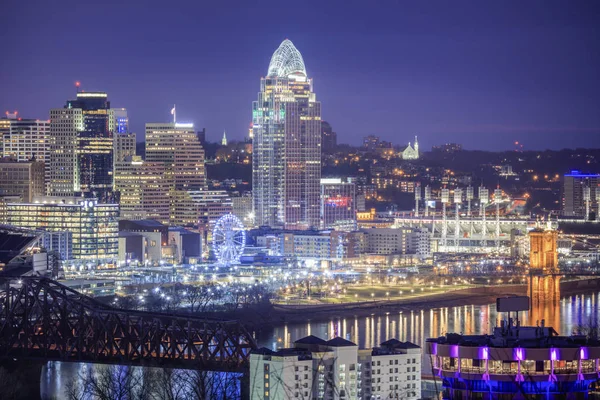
{"points": [[267, 316]]}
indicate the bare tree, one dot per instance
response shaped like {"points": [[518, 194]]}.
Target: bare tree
{"points": [[172, 385], [214, 385], [114, 382], [199, 297], [101, 382], [127, 303]]}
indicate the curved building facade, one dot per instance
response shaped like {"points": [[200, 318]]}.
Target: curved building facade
{"points": [[286, 145], [515, 363]]}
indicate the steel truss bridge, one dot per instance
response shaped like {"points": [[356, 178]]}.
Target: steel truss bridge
{"points": [[43, 320]]}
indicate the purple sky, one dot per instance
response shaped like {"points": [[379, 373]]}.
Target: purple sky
{"points": [[481, 73]]}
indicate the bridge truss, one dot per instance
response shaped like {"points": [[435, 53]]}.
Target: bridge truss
{"points": [[42, 319]]}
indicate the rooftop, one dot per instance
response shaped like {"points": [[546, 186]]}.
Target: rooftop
{"points": [[394, 343], [517, 336], [305, 347], [286, 61], [311, 339], [339, 342], [146, 223]]}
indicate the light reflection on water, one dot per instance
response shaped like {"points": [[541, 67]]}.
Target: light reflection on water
{"points": [[418, 325], [414, 326]]}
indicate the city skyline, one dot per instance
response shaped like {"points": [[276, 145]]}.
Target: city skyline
{"points": [[483, 76], [275, 200]]}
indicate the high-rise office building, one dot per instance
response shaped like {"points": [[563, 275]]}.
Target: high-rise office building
{"points": [[338, 204], [242, 208], [143, 189], [65, 125], [125, 146], [207, 205], [81, 152], [121, 120], [573, 193], [94, 227], [286, 144], [24, 139], [176, 145], [24, 179], [328, 138], [95, 144], [177, 148]]}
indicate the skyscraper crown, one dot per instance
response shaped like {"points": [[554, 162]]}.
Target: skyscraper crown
{"points": [[286, 61]]}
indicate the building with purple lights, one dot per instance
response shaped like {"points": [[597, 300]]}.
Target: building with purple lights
{"points": [[516, 362]]}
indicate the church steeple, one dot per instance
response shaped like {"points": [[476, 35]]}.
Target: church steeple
{"points": [[224, 140], [416, 146]]}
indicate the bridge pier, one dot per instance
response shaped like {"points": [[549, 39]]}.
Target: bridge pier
{"points": [[543, 283], [21, 379], [543, 289]]}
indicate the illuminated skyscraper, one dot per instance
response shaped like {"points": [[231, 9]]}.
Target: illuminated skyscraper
{"points": [[65, 125], [125, 146], [144, 189], [177, 147], [338, 204], [93, 226], [24, 179], [24, 139], [574, 197], [81, 147], [286, 164], [121, 120]]}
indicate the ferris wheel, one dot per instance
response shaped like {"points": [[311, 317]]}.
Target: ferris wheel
{"points": [[229, 239]]}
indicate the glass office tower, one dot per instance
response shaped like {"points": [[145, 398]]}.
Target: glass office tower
{"points": [[286, 130], [81, 149]]}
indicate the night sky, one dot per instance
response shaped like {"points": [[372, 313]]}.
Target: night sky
{"points": [[480, 73]]}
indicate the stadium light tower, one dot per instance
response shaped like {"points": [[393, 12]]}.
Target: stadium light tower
{"points": [[457, 203], [417, 198], [427, 198], [497, 200], [484, 198], [469, 198], [445, 200]]}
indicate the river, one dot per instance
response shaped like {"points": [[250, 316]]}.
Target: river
{"points": [[416, 326], [413, 326]]}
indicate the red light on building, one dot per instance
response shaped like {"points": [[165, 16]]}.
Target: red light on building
{"points": [[338, 201]]}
